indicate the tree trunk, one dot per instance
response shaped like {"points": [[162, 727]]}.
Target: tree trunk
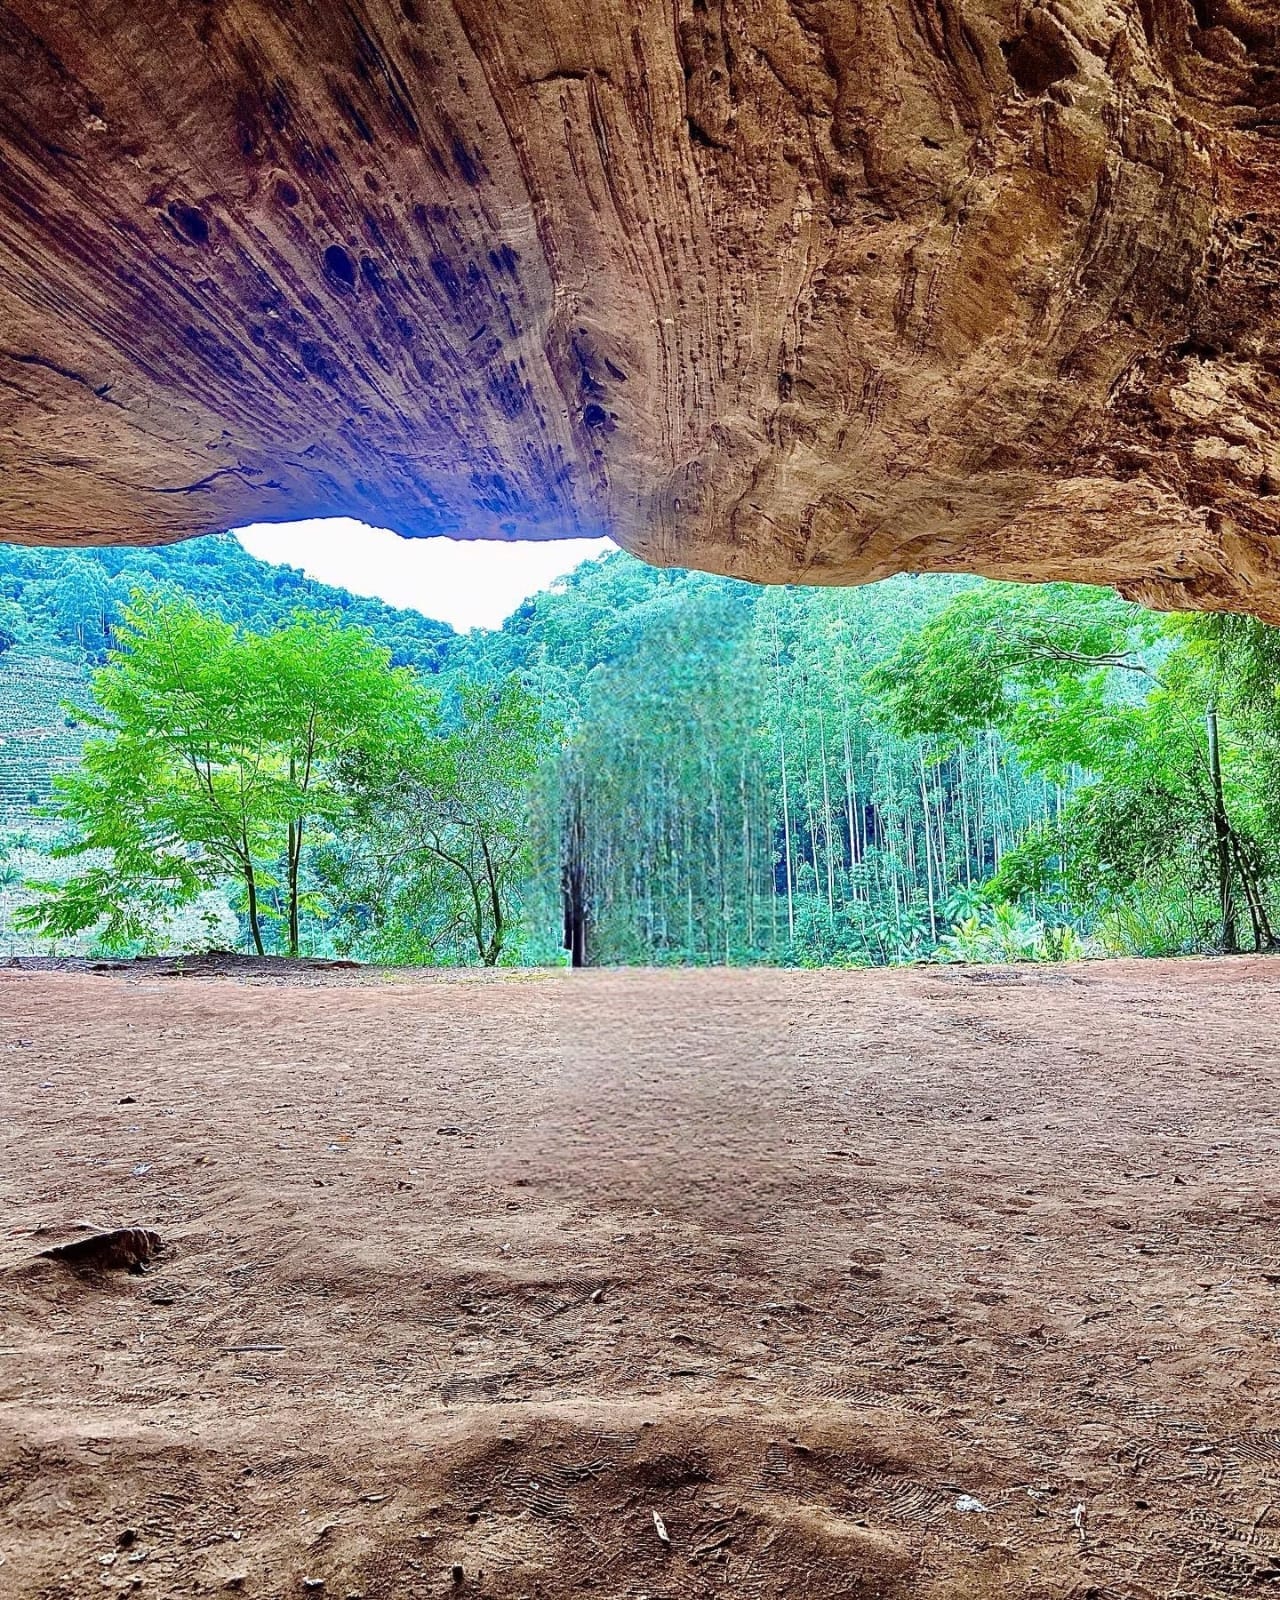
{"points": [[295, 856], [786, 845], [826, 822], [1263, 938], [251, 890], [1222, 835], [574, 884], [499, 937], [928, 848]]}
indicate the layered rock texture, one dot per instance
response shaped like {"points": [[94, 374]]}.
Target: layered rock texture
{"points": [[798, 290]]}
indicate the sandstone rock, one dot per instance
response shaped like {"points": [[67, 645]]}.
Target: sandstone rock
{"points": [[799, 290]]}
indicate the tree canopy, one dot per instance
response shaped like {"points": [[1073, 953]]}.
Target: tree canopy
{"points": [[214, 750]]}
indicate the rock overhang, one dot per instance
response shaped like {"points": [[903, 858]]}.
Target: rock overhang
{"points": [[787, 289]]}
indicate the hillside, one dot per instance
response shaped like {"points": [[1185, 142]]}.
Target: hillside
{"points": [[38, 737], [71, 598]]}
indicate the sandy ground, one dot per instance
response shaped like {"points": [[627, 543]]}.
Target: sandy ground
{"points": [[920, 1283]]}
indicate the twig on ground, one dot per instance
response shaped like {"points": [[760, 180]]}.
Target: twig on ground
{"points": [[714, 1544]]}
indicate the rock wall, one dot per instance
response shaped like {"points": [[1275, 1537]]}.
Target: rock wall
{"points": [[798, 290]]}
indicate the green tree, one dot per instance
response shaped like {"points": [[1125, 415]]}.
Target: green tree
{"points": [[1119, 708], [215, 751], [443, 842]]}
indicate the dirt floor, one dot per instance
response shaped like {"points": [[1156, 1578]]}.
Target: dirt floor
{"points": [[922, 1283]]}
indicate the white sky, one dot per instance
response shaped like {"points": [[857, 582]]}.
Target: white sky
{"points": [[471, 583]]}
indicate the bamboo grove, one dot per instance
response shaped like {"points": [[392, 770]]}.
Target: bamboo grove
{"points": [[729, 793]]}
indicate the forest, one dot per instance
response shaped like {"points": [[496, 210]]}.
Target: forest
{"points": [[640, 766]]}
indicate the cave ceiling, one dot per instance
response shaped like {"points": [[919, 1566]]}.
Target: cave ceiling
{"points": [[796, 290]]}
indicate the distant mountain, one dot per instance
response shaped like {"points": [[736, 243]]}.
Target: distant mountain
{"points": [[69, 599]]}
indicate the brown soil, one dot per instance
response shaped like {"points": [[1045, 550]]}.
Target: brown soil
{"points": [[466, 1282]]}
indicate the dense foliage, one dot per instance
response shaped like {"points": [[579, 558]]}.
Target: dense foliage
{"points": [[215, 751], [77, 598], [1162, 733], [728, 790], [439, 847], [661, 766]]}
